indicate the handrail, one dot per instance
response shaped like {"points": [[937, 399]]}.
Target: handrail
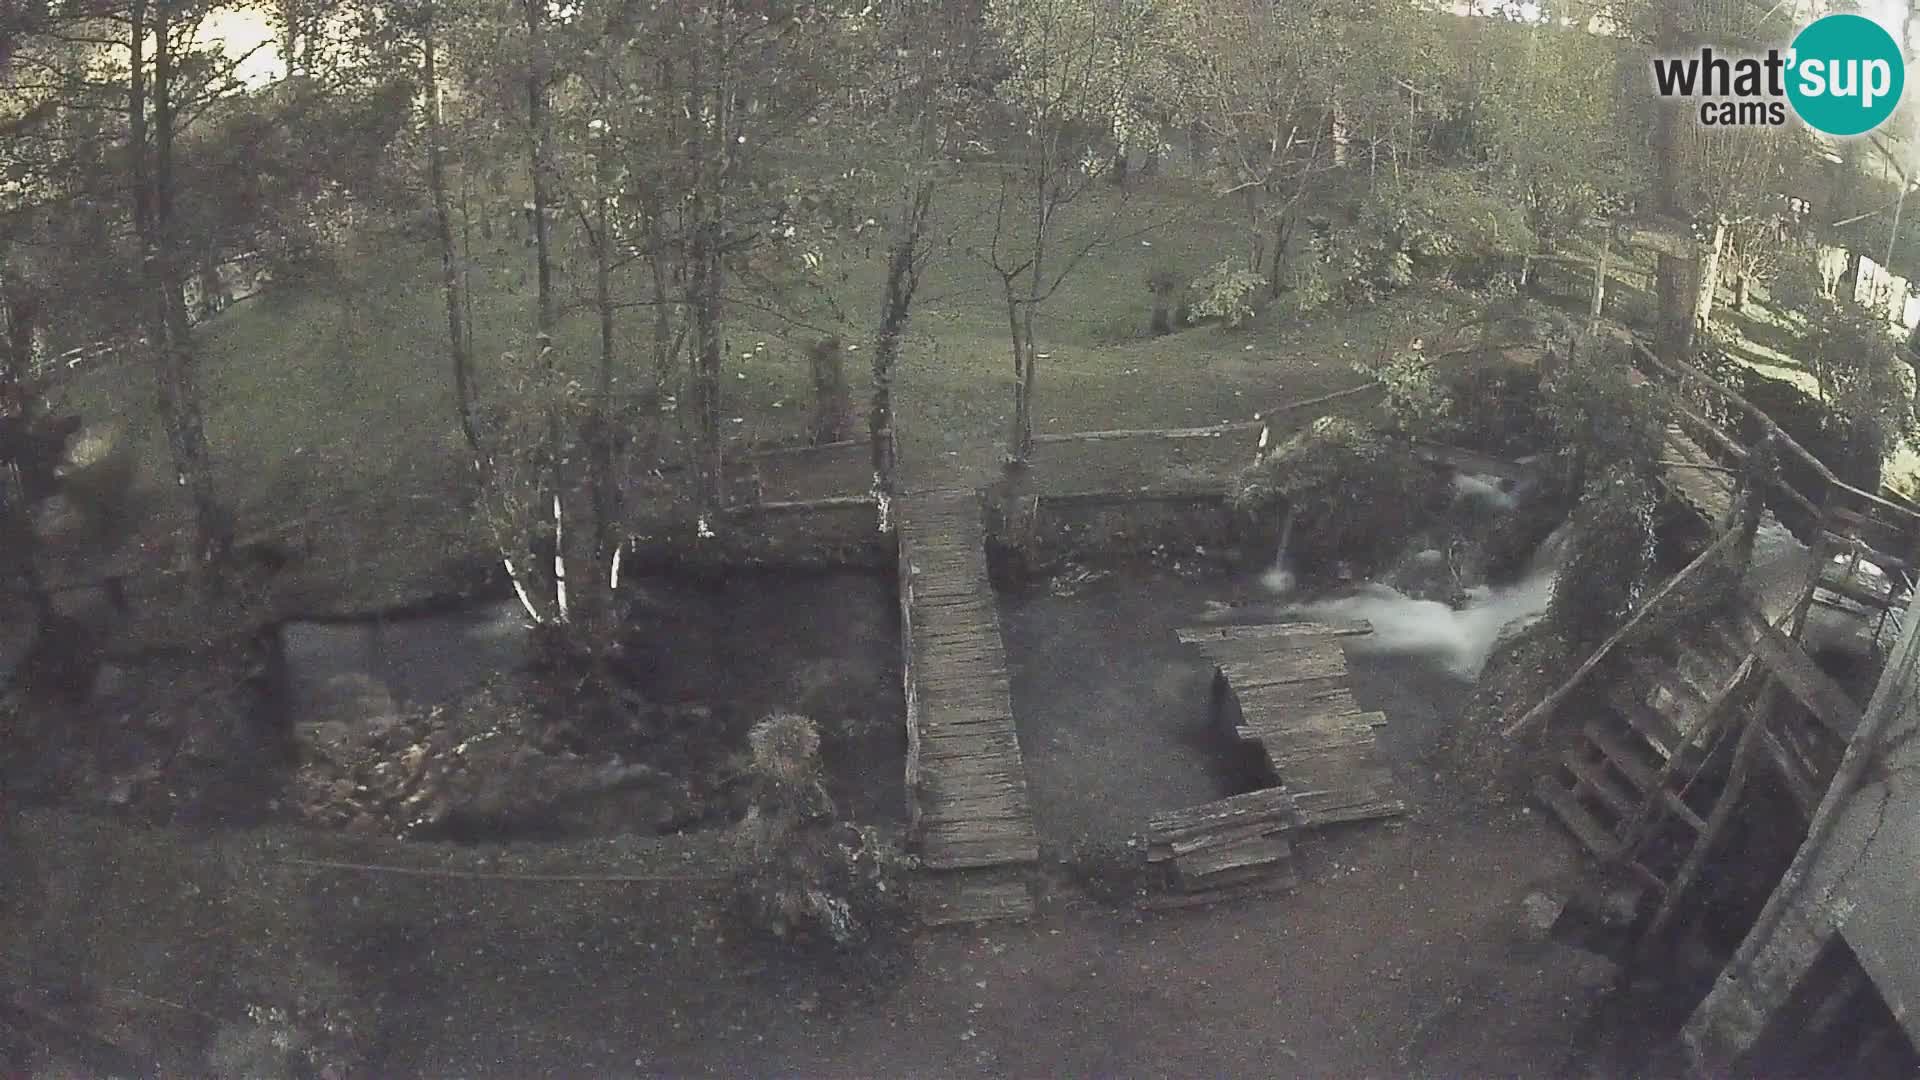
{"points": [[1688, 371]]}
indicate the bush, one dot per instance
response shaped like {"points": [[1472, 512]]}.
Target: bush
{"points": [[1609, 556], [1355, 495], [1497, 407], [806, 878], [1443, 224], [1227, 292], [1417, 401], [1595, 409]]}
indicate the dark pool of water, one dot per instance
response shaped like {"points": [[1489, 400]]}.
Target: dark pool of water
{"points": [[1113, 712]]}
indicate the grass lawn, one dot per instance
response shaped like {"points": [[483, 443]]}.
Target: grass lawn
{"points": [[330, 403]]}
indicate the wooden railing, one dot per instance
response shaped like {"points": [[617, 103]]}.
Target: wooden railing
{"points": [[1681, 370]]}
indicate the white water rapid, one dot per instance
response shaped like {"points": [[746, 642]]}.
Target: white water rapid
{"points": [[1461, 639]]}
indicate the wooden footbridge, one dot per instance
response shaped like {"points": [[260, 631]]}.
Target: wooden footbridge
{"points": [[971, 823], [1284, 688]]}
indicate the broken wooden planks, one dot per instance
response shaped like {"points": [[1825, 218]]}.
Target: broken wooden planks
{"points": [[1289, 682], [1227, 844]]}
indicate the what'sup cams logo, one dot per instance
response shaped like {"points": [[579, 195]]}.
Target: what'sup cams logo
{"points": [[1843, 75]]}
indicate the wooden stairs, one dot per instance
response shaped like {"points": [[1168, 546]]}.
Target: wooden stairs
{"points": [[1633, 763]]}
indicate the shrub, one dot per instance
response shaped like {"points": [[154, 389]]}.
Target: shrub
{"points": [[1497, 407], [1355, 495], [1227, 292], [1417, 401], [1595, 409], [1443, 224], [804, 877], [1609, 556]]}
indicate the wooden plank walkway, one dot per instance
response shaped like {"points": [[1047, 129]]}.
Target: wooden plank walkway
{"points": [[1700, 481], [971, 823], [1290, 683]]}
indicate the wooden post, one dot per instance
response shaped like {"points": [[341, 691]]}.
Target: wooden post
{"points": [[1708, 282], [1717, 819], [1599, 288]]}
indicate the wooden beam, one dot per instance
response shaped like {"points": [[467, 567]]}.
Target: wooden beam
{"points": [[1541, 711], [1805, 681], [1722, 813]]}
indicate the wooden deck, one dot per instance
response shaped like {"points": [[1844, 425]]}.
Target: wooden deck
{"points": [[971, 823], [1289, 683]]}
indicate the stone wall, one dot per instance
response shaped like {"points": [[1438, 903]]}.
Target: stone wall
{"points": [[1036, 534]]}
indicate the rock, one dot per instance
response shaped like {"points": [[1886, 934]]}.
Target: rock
{"points": [[1538, 913]]}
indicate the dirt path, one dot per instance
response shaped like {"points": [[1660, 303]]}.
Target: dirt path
{"points": [[1403, 953]]}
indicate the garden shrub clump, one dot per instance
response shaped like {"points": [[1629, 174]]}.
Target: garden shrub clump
{"points": [[805, 877], [1355, 494]]}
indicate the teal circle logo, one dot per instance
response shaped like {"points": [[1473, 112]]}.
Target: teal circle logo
{"points": [[1845, 75]]}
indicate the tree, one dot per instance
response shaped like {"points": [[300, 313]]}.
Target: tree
{"points": [[1072, 65], [1552, 129], [161, 99], [930, 109], [1252, 83]]}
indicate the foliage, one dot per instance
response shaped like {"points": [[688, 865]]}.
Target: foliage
{"points": [[1595, 409], [1417, 400], [804, 876], [1496, 407], [1446, 224], [1549, 121], [1227, 292], [1609, 557], [1865, 404], [1354, 494], [515, 427]]}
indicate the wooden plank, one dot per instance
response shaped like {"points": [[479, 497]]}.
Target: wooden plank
{"points": [[1253, 852], [1593, 836], [1286, 881], [1266, 804], [1180, 849], [942, 903], [1199, 635], [1321, 809], [1638, 773], [1594, 781], [1805, 681]]}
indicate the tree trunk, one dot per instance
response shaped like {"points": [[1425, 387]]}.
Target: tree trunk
{"points": [[1599, 300], [1020, 440], [16, 353], [1276, 275], [602, 448], [164, 305], [540, 159], [443, 233], [1742, 287], [1674, 283], [705, 270], [903, 277]]}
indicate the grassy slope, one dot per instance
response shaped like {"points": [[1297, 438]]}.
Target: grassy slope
{"points": [[332, 404]]}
